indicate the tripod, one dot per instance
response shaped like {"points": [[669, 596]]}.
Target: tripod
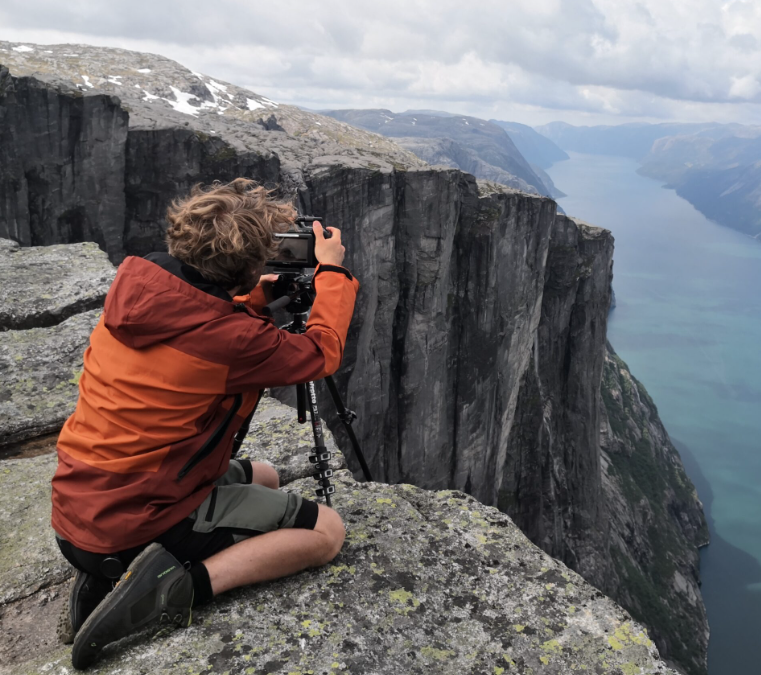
{"points": [[320, 454], [297, 297]]}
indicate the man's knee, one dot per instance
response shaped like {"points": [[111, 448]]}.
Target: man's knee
{"points": [[265, 475], [330, 525]]}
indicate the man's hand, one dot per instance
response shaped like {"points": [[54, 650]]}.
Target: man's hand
{"points": [[266, 282], [328, 251]]}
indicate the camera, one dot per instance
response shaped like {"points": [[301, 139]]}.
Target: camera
{"points": [[294, 289], [296, 250]]}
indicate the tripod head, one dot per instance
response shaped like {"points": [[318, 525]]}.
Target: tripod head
{"points": [[293, 291]]}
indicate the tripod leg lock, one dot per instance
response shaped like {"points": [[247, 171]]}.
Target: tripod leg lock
{"points": [[323, 492], [316, 457]]}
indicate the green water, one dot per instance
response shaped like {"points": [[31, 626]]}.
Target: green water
{"points": [[688, 323]]}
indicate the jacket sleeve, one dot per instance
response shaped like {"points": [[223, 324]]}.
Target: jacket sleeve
{"points": [[256, 300], [272, 357]]}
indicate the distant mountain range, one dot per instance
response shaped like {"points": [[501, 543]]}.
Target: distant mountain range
{"points": [[477, 146], [537, 149], [716, 167]]}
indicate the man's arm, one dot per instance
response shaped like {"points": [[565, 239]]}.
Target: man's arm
{"points": [[259, 298], [272, 357]]}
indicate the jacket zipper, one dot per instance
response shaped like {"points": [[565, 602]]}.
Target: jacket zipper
{"points": [[212, 441]]}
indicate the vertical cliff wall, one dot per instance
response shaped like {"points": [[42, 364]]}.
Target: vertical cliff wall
{"points": [[62, 163], [163, 161], [451, 291], [476, 354], [551, 484]]}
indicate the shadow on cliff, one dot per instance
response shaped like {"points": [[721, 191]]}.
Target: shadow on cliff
{"points": [[727, 572]]}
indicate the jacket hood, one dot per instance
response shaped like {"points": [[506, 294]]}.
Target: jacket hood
{"points": [[157, 298]]}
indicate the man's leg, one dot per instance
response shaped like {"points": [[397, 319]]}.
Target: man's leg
{"points": [[246, 472], [276, 554], [265, 475], [283, 534]]}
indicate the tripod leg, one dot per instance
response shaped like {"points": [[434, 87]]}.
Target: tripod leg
{"points": [[347, 417], [320, 454], [301, 402]]}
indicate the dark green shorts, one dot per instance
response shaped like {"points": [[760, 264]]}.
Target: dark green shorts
{"points": [[245, 510]]}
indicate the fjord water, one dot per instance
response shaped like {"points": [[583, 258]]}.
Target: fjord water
{"points": [[688, 323]]}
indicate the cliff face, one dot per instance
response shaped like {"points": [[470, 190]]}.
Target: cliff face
{"points": [[62, 160], [476, 354], [551, 483], [450, 301], [656, 519]]}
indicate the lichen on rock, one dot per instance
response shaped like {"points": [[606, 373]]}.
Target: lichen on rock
{"points": [[426, 582]]}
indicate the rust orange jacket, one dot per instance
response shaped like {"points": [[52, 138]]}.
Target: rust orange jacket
{"points": [[173, 369]]}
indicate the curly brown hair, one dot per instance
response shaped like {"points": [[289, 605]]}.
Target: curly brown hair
{"points": [[226, 232]]}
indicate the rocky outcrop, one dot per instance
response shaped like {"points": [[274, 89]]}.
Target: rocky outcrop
{"points": [[45, 295], [656, 520], [475, 357], [425, 581], [42, 286]]}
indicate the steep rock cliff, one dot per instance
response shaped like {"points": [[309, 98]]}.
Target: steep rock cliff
{"points": [[476, 353], [656, 520], [62, 161], [551, 483]]}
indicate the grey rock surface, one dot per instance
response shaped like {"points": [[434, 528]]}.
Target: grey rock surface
{"points": [[275, 437], [43, 285], [425, 581], [29, 557], [39, 376]]}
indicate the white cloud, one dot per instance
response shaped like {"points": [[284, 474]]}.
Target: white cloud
{"points": [[534, 60], [746, 87]]}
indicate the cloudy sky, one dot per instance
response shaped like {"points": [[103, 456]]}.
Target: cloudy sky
{"points": [[531, 61]]}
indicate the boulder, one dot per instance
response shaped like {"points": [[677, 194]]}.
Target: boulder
{"points": [[44, 285], [39, 376]]}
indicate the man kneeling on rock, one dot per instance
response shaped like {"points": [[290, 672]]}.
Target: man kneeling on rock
{"points": [[177, 362]]}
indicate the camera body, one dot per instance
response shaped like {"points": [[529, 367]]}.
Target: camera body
{"points": [[297, 247], [294, 289]]}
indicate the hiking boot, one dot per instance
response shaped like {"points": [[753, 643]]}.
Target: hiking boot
{"points": [[87, 592], [155, 589]]}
